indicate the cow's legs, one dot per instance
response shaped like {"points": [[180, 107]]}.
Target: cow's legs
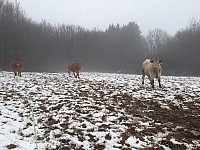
{"points": [[159, 82], [152, 83], [15, 73], [69, 73], [77, 74], [143, 75], [74, 73], [143, 79], [19, 74]]}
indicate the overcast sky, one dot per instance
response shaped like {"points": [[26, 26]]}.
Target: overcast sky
{"points": [[169, 15]]}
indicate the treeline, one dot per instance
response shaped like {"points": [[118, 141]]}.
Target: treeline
{"points": [[47, 48]]}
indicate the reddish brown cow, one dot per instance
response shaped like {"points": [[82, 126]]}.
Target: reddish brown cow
{"points": [[16, 65], [75, 68]]}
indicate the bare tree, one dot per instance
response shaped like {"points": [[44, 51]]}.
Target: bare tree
{"points": [[156, 39]]}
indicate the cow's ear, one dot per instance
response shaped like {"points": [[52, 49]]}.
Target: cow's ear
{"points": [[160, 61], [151, 60]]}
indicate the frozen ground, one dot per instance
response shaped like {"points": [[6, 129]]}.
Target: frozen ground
{"points": [[51, 111]]}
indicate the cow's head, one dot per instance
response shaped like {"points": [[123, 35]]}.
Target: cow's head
{"points": [[80, 65], [156, 64], [18, 62]]}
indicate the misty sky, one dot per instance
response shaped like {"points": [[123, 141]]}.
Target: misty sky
{"points": [[169, 15]]}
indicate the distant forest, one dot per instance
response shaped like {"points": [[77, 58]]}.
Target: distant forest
{"points": [[44, 47]]}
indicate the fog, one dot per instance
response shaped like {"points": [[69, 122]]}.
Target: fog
{"points": [[45, 46], [170, 15]]}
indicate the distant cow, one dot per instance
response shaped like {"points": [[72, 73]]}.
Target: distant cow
{"points": [[16, 65], [75, 68], [152, 68]]}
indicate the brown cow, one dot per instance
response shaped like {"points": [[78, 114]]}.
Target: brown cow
{"points": [[152, 68], [16, 65], [75, 68]]}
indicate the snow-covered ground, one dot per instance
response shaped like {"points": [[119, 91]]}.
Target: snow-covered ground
{"points": [[52, 111]]}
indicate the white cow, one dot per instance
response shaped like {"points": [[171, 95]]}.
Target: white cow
{"points": [[152, 68]]}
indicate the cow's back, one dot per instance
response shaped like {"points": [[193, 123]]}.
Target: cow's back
{"points": [[146, 66], [74, 67]]}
